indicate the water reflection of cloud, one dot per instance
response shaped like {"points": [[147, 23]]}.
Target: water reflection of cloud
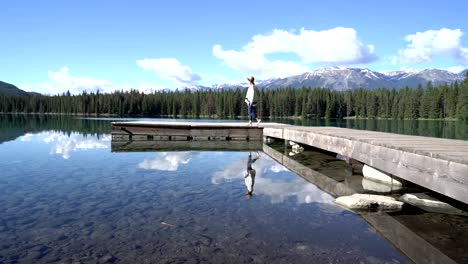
{"points": [[66, 144], [272, 182], [232, 172], [27, 137], [277, 168], [303, 191], [166, 161]]}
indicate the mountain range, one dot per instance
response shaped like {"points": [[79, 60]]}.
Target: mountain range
{"points": [[337, 78], [350, 78]]}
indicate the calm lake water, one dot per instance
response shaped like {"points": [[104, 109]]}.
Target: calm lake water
{"points": [[426, 128], [65, 197]]}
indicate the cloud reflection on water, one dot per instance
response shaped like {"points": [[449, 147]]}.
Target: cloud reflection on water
{"points": [[166, 161], [26, 137], [65, 144]]}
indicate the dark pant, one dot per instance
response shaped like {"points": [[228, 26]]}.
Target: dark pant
{"points": [[252, 110]]}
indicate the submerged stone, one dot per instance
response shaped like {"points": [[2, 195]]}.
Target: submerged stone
{"points": [[376, 175], [430, 204], [360, 201], [297, 148], [379, 187]]}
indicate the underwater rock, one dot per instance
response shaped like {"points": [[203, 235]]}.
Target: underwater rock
{"points": [[360, 201], [430, 204], [297, 148], [379, 187], [376, 175]]}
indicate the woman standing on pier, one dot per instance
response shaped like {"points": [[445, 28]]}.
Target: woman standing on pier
{"points": [[251, 100]]}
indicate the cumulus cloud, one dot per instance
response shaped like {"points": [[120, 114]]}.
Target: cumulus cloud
{"points": [[216, 79], [62, 81], [62, 78], [423, 46], [456, 69], [170, 69], [166, 161], [338, 46]]}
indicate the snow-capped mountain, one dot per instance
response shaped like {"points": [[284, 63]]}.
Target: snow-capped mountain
{"points": [[339, 78], [228, 85], [463, 74], [413, 78], [336, 78]]}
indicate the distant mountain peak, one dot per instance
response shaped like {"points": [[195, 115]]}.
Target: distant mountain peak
{"points": [[340, 78]]}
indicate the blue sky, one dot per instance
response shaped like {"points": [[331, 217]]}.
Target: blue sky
{"points": [[55, 46]]}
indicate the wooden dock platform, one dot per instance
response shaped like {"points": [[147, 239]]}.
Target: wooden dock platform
{"points": [[438, 164], [181, 131]]}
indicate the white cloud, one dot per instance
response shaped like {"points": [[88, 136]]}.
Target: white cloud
{"points": [[170, 69], [338, 46], [216, 79], [423, 46], [62, 81], [166, 161], [456, 69]]}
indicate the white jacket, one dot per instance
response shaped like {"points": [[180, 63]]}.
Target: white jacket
{"points": [[250, 97]]}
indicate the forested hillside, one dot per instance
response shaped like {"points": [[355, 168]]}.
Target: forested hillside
{"points": [[10, 89]]}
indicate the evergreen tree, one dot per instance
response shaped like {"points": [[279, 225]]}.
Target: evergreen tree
{"points": [[462, 104], [434, 102], [453, 100]]}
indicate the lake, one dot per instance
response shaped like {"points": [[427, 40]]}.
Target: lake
{"points": [[425, 128], [66, 197]]}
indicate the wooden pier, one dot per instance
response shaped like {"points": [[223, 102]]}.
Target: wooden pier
{"points": [[183, 131], [438, 164]]}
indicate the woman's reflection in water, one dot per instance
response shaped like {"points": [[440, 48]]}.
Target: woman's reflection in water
{"points": [[249, 175]]}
